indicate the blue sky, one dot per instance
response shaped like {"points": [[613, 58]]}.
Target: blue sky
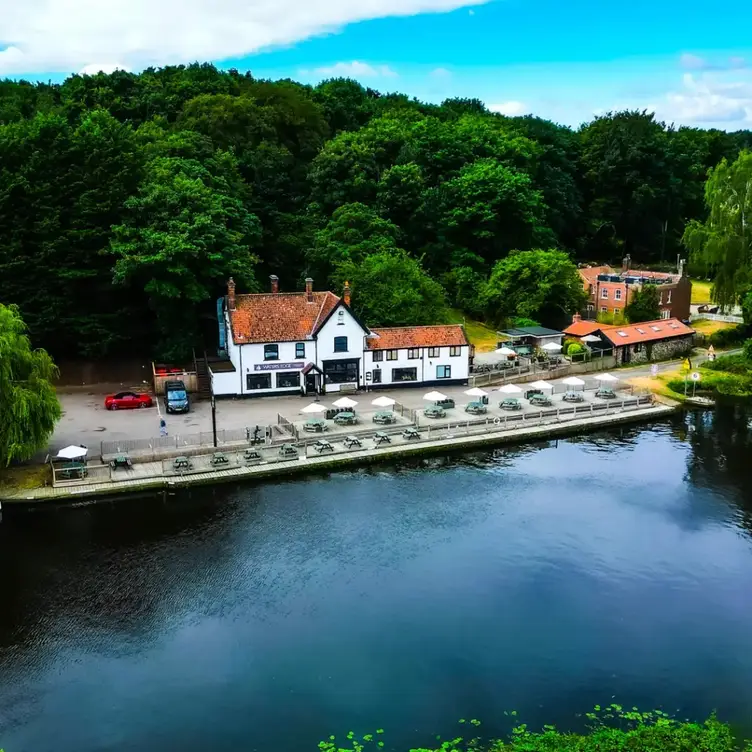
{"points": [[691, 62]]}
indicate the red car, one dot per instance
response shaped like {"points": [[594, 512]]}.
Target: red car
{"points": [[127, 401]]}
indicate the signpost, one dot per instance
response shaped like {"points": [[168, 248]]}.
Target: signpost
{"points": [[695, 378]]}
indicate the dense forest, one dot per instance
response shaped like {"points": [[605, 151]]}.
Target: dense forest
{"points": [[127, 200]]}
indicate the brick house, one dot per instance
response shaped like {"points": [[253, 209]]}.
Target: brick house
{"points": [[610, 291]]}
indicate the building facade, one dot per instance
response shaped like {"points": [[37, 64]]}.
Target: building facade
{"points": [[649, 341], [312, 342]]}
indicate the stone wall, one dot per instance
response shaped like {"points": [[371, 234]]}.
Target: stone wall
{"points": [[666, 349]]}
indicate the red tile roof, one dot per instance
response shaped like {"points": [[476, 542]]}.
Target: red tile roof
{"points": [[590, 273], [648, 331], [402, 337], [279, 317], [581, 328]]}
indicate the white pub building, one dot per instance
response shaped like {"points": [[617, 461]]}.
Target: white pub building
{"points": [[312, 342]]}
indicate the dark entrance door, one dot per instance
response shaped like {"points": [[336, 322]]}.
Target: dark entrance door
{"points": [[310, 383]]}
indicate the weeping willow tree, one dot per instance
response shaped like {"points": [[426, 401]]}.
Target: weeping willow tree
{"points": [[29, 406], [723, 243]]}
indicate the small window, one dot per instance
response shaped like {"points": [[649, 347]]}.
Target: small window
{"points": [[258, 381], [271, 352], [617, 294], [392, 354], [341, 318], [288, 380], [604, 294], [340, 344], [665, 314], [455, 351], [413, 353], [638, 347], [656, 328], [377, 356], [641, 331], [300, 349], [404, 374], [443, 372], [434, 352], [604, 309], [668, 296], [621, 333]]}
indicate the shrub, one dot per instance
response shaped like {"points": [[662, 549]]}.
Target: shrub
{"points": [[748, 352], [575, 348], [728, 337]]}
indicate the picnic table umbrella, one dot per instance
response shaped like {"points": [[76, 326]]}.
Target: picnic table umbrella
{"points": [[510, 389], [434, 396], [476, 392], [345, 402], [505, 351], [72, 452], [605, 378], [383, 402], [314, 407], [551, 347], [541, 385], [590, 338], [574, 381]]}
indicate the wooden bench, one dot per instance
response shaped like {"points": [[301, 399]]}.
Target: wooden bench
{"points": [[381, 438], [322, 445], [411, 433]]}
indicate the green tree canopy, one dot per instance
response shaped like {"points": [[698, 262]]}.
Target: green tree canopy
{"points": [[541, 284], [723, 243], [644, 305], [29, 407]]}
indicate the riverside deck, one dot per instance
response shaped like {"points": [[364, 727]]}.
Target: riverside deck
{"points": [[464, 434]]}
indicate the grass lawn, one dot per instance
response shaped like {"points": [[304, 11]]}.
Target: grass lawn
{"points": [[707, 326], [701, 291], [482, 336], [24, 477]]}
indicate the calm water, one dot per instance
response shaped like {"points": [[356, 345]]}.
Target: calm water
{"points": [[543, 579]]}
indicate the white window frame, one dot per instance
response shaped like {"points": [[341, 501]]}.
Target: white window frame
{"points": [[604, 294]]}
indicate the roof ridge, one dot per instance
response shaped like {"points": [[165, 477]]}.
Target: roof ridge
{"points": [[321, 308], [415, 326]]}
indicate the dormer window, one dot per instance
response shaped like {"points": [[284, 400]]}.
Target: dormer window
{"points": [[341, 318]]}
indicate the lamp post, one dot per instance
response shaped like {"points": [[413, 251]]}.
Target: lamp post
{"points": [[214, 420]]}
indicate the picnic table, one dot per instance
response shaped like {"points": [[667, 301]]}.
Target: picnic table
{"points": [[121, 460], [434, 411], [288, 450], [510, 403], [322, 445], [181, 463], [385, 417], [346, 418], [219, 458], [251, 454], [605, 392], [411, 433], [72, 470], [541, 400], [530, 393], [573, 397], [475, 408], [314, 424], [351, 441], [381, 438]]}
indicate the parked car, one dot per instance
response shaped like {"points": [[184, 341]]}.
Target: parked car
{"points": [[176, 397], [127, 401]]}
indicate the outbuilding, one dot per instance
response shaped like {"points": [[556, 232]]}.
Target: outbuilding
{"points": [[652, 340]]}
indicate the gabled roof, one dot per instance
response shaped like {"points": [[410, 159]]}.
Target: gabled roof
{"points": [[582, 328], [648, 331], [590, 273], [279, 317], [403, 337], [532, 331]]}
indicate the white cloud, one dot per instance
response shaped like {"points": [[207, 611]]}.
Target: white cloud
{"points": [[510, 109], [441, 73], [693, 62], [709, 99], [64, 36], [355, 69]]}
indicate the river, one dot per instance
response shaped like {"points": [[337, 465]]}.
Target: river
{"points": [[542, 579]]}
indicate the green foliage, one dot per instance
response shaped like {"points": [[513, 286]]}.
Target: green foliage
{"points": [[574, 348], [644, 305], [729, 337], [540, 284], [29, 407], [748, 351]]}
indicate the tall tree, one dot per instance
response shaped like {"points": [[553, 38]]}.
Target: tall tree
{"points": [[644, 305], [29, 407], [723, 243]]}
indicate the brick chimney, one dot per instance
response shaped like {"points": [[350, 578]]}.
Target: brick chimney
{"points": [[346, 294], [231, 294], [275, 283], [309, 289], [576, 318]]}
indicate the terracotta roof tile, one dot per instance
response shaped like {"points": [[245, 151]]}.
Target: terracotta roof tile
{"points": [[590, 273], [402, 337], [648, 331], [581, 328], [279, 317]]}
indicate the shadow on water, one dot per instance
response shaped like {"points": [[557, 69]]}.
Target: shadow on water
{"points": [[545, 578]]}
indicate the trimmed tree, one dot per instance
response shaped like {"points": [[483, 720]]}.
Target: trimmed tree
{"points": [[644, 305]]}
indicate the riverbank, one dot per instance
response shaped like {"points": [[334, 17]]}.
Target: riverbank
{"points": [[450, 438]]}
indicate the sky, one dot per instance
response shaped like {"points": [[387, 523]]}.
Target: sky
{"points": [[688, 61]]}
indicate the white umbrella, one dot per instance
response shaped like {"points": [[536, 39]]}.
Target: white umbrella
{"points": [[510, 389], [72, 452], [590, 338], [434, 396], [551, 346], [605, 377], [475, 392], [345, 402], [383, 402], [541, 385], [573, 381], [505, 351], [314, 407]]}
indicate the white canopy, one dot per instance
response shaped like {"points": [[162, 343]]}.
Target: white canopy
{"points": [[573, 381], [550, 346], [541, 385], [510, 389], [72, 452], [383, 402], [475, 392], [590, 338], [345, 402], [605, 377], [505, 351], [434, 396], [314, 407]]}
